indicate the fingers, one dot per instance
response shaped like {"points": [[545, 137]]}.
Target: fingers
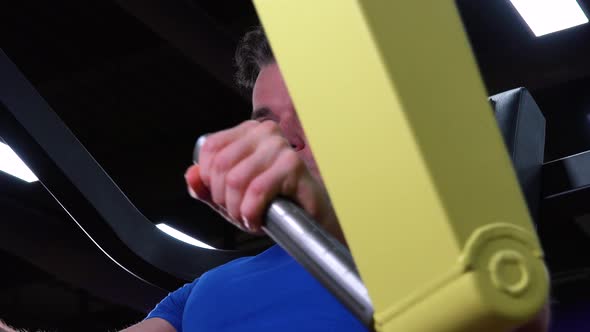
{"points": [[195, 185], [263, 139], [197, 190], [242, 169], [240, 177], [282, 178], [224, 161], [216, 142]]}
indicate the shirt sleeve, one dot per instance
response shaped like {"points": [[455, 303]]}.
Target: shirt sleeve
{"points": [[171, 308]]}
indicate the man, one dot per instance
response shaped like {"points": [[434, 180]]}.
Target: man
{"points": [[241, 169]]}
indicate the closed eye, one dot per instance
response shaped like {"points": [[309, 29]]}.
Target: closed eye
{"points": [[263, 114]]}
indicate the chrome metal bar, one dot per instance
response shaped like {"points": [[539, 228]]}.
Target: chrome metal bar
{"points": [[328, 260]]}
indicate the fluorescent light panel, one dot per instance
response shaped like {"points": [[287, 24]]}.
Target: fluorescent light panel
{"points": [[547, 16], [182, 237], [10, 163]]}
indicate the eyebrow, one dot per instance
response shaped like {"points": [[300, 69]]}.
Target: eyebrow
{"points": [[260, 113]]}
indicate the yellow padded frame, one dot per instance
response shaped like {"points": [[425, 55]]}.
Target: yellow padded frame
{"points": [[390, 96]]}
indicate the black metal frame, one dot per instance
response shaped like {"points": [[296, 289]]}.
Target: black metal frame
{"points": [[78, 183], [566, 242], [566, 186]]}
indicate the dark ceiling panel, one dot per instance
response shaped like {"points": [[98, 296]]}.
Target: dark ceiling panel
{"points": [[136, 102], [191, 30], [509, 55], [54, 38]]}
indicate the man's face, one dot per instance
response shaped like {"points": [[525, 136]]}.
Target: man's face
{"points": [[271, 101]]}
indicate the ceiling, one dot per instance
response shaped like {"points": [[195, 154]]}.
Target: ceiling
{"points": [[135, 100], [554, 67], [138, 81]]}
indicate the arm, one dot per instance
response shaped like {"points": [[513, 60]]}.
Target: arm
{"points": [[148, 325], [165, 316]]}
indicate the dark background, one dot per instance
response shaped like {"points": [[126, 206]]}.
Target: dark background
{"points": [[139, 81]]}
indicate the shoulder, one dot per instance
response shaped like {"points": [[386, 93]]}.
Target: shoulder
{"points": [[171, 308], [268, 257]]}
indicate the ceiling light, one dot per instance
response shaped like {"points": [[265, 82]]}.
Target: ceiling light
{"points": [[182, 237], [547, 16], [13, 165]]}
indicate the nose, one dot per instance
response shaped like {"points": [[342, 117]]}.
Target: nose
{"points": [[293, 132], [296, 143]]}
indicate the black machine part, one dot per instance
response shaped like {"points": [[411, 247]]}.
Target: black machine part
{"points": [[91, 198]]}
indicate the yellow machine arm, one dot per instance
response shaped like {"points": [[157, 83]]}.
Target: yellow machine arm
{"points": [[390, 96]]}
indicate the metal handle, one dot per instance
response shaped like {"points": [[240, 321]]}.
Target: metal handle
{"points": [[320, 253]]}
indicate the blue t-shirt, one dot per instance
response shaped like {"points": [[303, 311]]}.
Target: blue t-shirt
{"points": [[267, 292]]}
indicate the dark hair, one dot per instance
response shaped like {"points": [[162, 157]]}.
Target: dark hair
{"points": [[252, 54]]}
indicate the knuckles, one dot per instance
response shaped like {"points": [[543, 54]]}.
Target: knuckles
{"points": [[211, 145], [222, 162], [268, 128], [292, 161], [258, 188], [266, 137], [274, 143], [236, 181]]}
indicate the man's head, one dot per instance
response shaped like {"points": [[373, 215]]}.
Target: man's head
{"points": [[259, 73]]}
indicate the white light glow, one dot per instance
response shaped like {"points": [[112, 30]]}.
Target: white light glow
{"points": [[547, 16], [10, 163], [182, 237]]}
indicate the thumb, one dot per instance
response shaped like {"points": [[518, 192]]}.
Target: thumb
{"points": [[195, 185], [198, 190]]}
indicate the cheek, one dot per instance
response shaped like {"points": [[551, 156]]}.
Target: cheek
{"points": [[307, 157], [310, 163]]}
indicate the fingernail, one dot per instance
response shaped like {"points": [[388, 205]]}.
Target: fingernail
{"points": [[192, 192], [246, 223]]}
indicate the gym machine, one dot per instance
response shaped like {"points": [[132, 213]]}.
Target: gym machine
{"points": [[460, 211]]}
